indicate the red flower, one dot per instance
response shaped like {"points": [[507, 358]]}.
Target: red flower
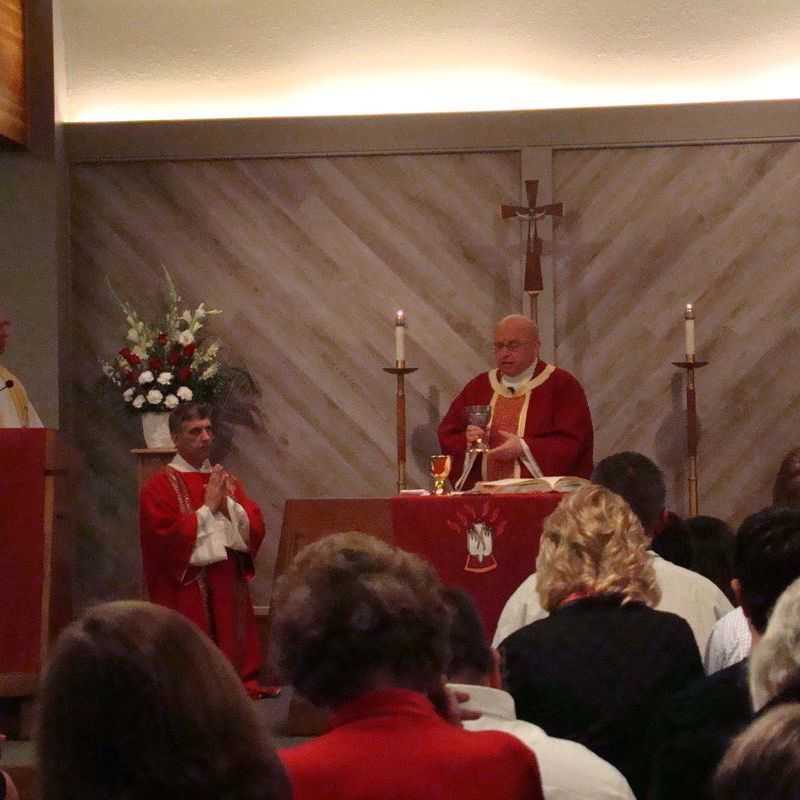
{"points": [[134, 360], [188, 351], [155, 363], [174, 357], [184, 374], [162, 338]]}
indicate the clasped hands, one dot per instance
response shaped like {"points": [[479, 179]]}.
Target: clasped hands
{"points": [[509, 450], [221, 485]]}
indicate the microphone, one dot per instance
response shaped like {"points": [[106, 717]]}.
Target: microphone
{"points": [[7, 385]]}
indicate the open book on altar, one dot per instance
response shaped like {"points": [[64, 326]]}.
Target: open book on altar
{"points": [[556, 483]]}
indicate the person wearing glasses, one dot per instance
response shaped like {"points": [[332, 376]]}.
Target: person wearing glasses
{"points": [[540, 421]]}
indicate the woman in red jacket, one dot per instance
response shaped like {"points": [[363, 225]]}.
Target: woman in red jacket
{"points": [[362, 629]]}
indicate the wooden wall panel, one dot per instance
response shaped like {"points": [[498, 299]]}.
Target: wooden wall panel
{"points": [[647, 231], [12, 72], [308, 258]]}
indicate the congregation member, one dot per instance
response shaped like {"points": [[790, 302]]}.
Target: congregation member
{"points": [[693, 731], [138, 703], [540, 421], [8, 790], [711, 544], [775, 661], [569, 770], [361, 628], [730, 640], [640, 482], [600, 667], [763, 763], [200, 533], [16, 409]]}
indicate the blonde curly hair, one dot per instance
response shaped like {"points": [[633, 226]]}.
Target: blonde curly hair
{"points": [[594, 543]]}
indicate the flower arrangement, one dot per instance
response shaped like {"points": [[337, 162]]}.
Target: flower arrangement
{"points": [[166, 364]]}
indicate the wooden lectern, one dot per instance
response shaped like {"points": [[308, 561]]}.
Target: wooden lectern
{"points": [[35, 566]]}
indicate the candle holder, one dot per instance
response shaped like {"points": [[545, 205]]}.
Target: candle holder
{"points": [[690, 365], [400, 370]]}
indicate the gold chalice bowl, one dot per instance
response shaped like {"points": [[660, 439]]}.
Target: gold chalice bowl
{"points": [[440, 470]]}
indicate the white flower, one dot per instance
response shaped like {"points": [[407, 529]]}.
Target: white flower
{"points": [[164, 378], [146, 377], [185, 394], [201, 311], [127, 395], [210, 372], [171, 401], [139, 401], [108, 370], [133, 336], [187, 316], [185, 338], [139, 351], [154, 397]]}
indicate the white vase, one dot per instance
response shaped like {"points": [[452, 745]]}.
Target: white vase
{"points": [[155, 426]]}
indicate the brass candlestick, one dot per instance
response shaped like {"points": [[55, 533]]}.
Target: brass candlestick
{"points": [[400, 370], [690, 365]]}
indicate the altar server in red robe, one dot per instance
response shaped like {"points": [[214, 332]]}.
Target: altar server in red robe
{"points": [[200, 533], [540, 420]]}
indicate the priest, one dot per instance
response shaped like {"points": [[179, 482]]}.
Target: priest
{"points": [[200, 533], [16, 410], [540, 422]]}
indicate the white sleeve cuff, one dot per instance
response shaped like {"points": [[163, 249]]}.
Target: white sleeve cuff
{"points": [[210, 543], [529, 461], [238, 528]]}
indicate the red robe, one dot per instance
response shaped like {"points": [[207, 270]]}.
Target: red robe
{"points": [[215, 597], [558, 426], [391, 744]]}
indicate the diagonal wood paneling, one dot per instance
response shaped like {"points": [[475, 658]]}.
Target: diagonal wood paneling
{"points": [[648, 230], [308, 258]]}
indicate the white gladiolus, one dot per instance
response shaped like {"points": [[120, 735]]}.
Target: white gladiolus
{"points": [[139, 351], [210, 372], [185, 394], [154, 397], [133, 336], [139, 401], [146, 377], [171, 401], [164, 378], [187, 316], [201, 311], [185, 338], [127, 395]]}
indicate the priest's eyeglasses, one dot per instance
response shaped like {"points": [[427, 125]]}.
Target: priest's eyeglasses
{"points": [[511, 346]]}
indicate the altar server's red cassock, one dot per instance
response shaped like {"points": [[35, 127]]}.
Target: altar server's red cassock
{"points": [[199, 563], [548, 411]]}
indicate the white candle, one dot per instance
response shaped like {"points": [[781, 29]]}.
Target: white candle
{"points": [[689, 320], [400, 337]]}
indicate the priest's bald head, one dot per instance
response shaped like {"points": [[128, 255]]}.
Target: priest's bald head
{"points": [[516, 344]]}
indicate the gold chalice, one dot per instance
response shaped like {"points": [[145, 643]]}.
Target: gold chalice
{"points": [[440, 470]]}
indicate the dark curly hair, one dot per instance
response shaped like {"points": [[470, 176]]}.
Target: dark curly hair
{"points": [[786, 490], [352, 609], [138, 703]]}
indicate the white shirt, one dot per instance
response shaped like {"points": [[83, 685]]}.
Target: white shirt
{"points": [[730, 642], [569, 770], [683, 592], [215, 532], [8, 411]]}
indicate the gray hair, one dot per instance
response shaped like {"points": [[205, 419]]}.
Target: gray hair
{"points": [[776, 658]]}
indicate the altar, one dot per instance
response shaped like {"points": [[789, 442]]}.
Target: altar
{"points": [[484, 544]]}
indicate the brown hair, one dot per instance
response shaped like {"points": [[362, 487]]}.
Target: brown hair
{"points": [[352, 609], [593, 542], [138, 703], [764, 760]]}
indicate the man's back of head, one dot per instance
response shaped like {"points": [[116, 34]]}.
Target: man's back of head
{"points": [[766, 560], [639, 481], [471, 658]]}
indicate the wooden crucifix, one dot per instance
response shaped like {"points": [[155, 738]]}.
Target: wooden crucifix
{"points": [[531, 214]]}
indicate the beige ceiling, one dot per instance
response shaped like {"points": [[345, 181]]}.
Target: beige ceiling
{"points": [[175, 59]]}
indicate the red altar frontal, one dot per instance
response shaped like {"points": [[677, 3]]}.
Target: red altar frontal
{"points": [[485, 544]]}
